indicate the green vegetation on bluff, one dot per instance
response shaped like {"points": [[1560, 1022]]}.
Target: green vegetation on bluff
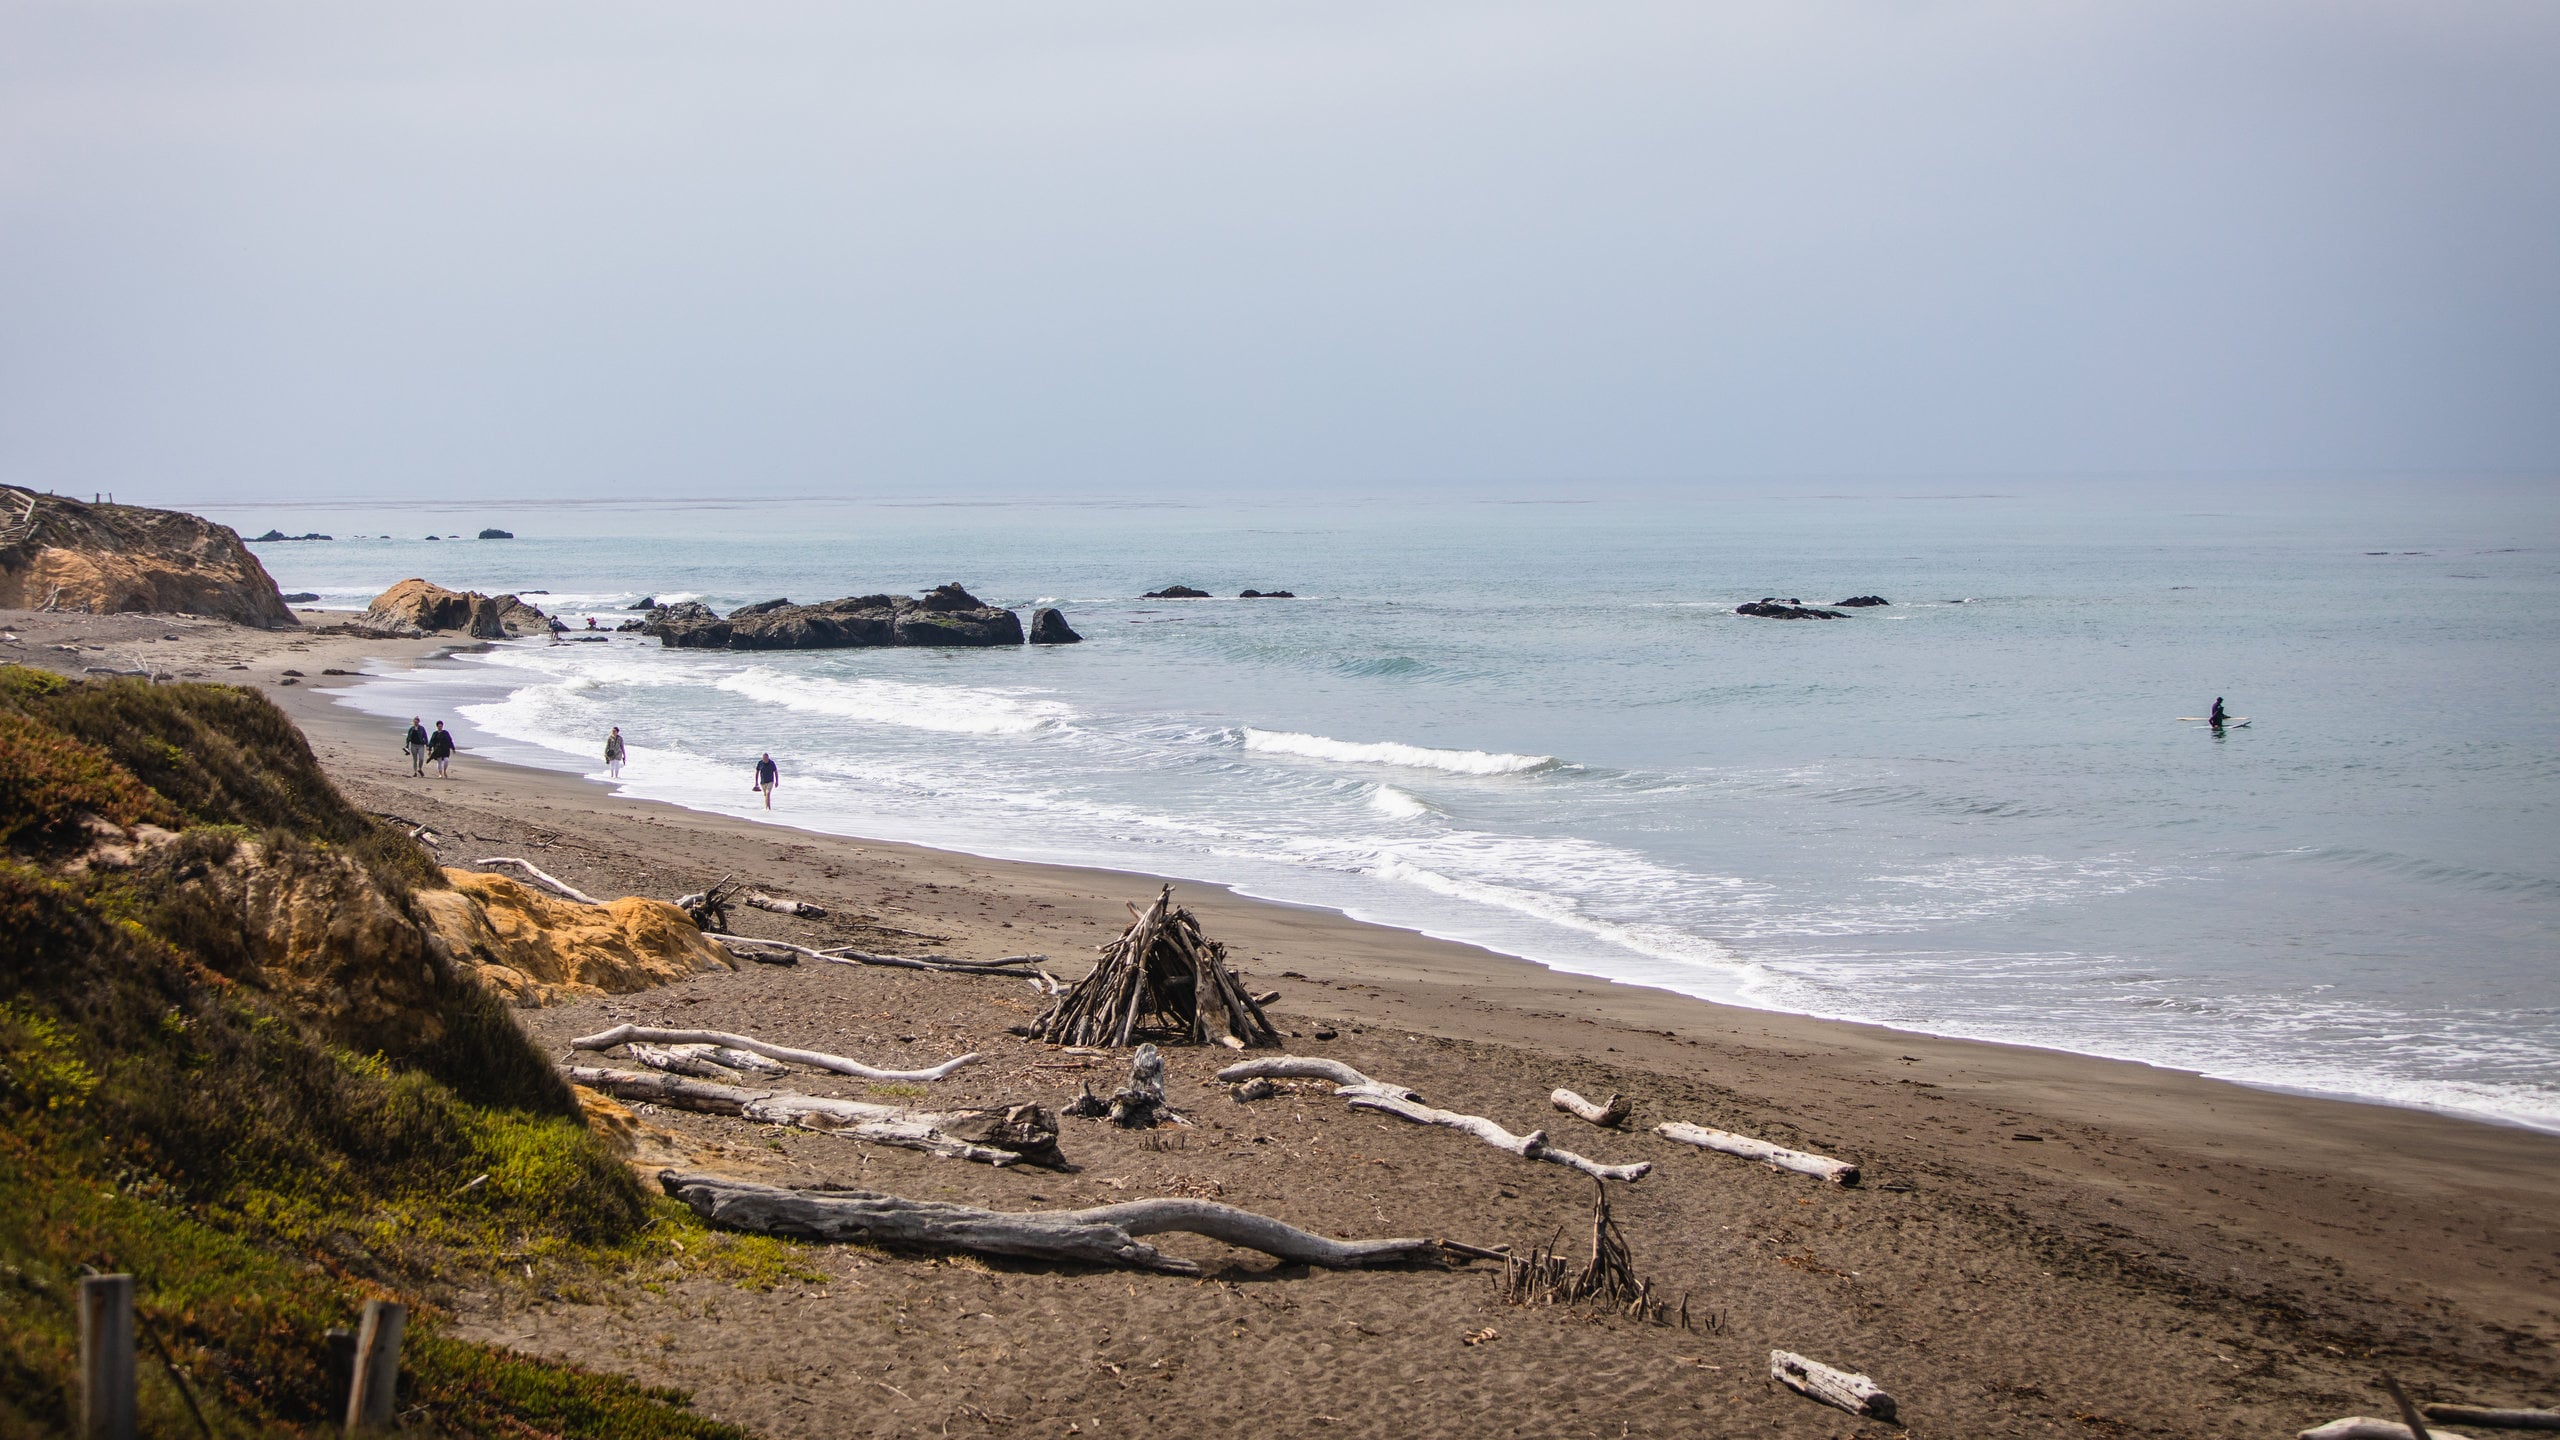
{"points": [[184, 1096]]}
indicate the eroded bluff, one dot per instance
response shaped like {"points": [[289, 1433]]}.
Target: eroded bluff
{"points": [[62, 554]]}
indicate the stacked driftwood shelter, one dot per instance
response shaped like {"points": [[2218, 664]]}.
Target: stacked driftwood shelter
{"points": [[1163, 981]]}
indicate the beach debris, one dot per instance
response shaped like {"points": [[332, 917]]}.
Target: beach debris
{"points": [[1816, 1381], [751, 1048], [1020, 967], [1608, 1116], [709, 909], [1364, 1093], [1102, 1235], [1254, 1089], [997, 1135], [2490, 1419], [547, 882], [706, 1062], [2408, 1412], [1139, 1104], [2360, 1427], [1164, 979], [781, 906], [1546, 1277], [1838, 1172]]}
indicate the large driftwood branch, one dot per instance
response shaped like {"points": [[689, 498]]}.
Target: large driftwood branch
{"points": [[779, 905], [1364, 1093], [2489, 1419], [2360, 1427], [1811, 1378], [1103, 1235], [1005, 1136], [814, 1059], [1838, 1172], [1607, 1116], [548, 882]]}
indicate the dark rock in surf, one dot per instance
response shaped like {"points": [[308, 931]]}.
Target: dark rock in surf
{"points": [[1768, 610], [946, 616], [1857, 602], [1175, 592], [949, 615], [647, 602], [497, 534], [1266, 594], [299, 597], [761, 607], [1048, 627]]}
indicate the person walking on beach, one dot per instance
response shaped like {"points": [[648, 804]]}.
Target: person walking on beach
{"points": [[768, 778], [613, 753], [414, 745], [440, 750]]}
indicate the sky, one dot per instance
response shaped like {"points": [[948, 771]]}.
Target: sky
{"points": [[255, 250]]}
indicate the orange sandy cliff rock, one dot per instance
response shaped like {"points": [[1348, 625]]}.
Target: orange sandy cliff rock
{"points": [[414, 607], [538, 950], [116, 559]]}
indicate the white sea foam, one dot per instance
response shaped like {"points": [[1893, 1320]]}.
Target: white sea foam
{"points": [[1389, 752], [1398, 804], [948, 709]]}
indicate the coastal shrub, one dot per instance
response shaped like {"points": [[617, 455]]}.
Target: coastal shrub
{"points": [[258, 1178]]}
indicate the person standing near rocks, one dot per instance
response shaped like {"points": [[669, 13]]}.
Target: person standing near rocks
{"points": [[440, 750], [414, 745], [768, 778], [613, 753]]}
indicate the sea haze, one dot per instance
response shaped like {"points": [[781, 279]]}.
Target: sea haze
{"points": [[1538, 726]]}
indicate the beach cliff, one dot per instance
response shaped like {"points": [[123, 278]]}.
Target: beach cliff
{"points": [[62, 554]]}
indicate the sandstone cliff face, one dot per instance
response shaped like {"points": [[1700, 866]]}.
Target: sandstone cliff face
{"points": [[116, 559], [538, 950], [414, 607]]}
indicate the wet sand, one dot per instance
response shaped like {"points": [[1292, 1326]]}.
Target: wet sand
{"points": [[2167, 1255]]}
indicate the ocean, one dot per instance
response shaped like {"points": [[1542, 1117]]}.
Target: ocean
{"points": [[1532, 721]]}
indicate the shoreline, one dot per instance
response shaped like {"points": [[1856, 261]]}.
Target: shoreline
{"points": [[1732, 996], [2034, 1223]]}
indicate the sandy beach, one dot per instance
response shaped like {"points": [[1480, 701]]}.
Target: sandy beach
{"points": [[2043, 1243]]}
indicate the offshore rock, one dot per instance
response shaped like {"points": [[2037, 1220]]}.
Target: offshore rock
{"points": [[414, 607], [497, 534], [60, 554], [1772, 610], [1048, 627], [1856, 602], [945, 616], [1175, 592], [1266, 594]]}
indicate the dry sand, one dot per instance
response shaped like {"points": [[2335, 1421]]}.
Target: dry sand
{"points": [[2168, 1255]]}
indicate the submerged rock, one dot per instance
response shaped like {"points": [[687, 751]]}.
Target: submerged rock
{"points": [[299, 597], [1773, 610], [1266, 594], [414, 607], [61, 554], [1856, 602], [1175, 592], [1048, 627]]}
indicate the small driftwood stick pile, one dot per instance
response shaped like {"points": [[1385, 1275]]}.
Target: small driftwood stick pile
{"points": [[1103, 1235], [1163, 979], [1545, 1277], [709, 909], [743, 1052], [1138, 1105]]}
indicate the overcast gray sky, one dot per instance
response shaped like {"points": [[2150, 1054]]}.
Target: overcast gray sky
{"points": [[267, 250]]}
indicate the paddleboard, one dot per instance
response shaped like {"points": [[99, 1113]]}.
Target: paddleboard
{"points": [[2233, 723]]}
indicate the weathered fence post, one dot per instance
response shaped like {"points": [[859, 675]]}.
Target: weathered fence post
{"points": [[106, 1357], [372, 1397]]}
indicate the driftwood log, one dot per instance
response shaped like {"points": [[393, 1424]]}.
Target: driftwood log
{"points": [[813, 1059], [1103, 1235], [1838, 1172], [757, 899], [2360, 1427], [547, 882], [1011, 966], [1009, 1135], [2489, 1419], [709, 909], [1364, 1093], [1608, 1116], [704, 1062], [1811, 1378]]}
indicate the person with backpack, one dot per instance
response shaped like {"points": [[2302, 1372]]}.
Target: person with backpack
{"points": [[613, 753], [414, 745], [440, 750]]}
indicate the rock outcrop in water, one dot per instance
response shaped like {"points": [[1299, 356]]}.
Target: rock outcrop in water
{"points": [[414, 607], [59, 554], [1175, 592], [1860, 602], [1048, 627], [1776, 610], [945, 616]]}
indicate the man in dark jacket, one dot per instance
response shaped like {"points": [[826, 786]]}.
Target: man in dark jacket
{"points": [[414, 745], [440, 750], [768, 778]]}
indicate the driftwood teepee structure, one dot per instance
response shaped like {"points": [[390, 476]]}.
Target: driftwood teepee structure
{"points": [[1163, 980]]}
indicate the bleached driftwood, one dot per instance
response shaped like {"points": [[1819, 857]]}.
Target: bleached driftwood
{"points": [[1364, 1093], [1811, 1378], [547, 882], [2360, 1427], [1609, 1116], [1004, 1136], [759, 900], [707, 1062], [1103, 1235], [813, 1059], [1838, 1172], [2489, 1419]]}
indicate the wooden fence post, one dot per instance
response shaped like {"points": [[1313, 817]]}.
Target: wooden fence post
{"points": [[372, 1398], [106, 1357]]}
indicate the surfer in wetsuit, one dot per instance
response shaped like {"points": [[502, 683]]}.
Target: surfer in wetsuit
{"points": [[2218, 714]]}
